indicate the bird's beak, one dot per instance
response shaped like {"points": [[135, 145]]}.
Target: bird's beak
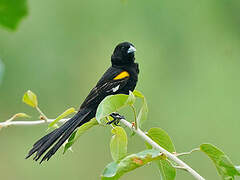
{"points": [[131, 49]]}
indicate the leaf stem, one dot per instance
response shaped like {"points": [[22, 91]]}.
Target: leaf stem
{"points": [[135, 116], [187, 153], [42, 114], [181, 168]]}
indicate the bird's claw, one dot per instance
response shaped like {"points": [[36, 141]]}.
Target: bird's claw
{"points": [[116, 118]]}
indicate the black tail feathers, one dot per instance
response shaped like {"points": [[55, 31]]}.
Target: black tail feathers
{"points": [[62, 133]]}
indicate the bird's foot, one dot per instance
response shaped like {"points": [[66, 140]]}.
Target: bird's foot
{"points": [[116, 118]]}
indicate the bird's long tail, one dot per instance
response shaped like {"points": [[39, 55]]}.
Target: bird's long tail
{"points": [[61, 134]]}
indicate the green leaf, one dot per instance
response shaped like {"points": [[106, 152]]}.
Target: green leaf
{"points": [[21, 115], [160, 136], [114, 171], [30, 99], [113, 103], [142, 115], [110, 104], [138, 94], [131, 99], [63, 115], [118, 144], [222, 162], [11, 12], [167, 171], [110, 171], [81, 130], [18, 115]]}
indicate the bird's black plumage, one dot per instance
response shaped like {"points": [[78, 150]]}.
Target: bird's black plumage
{"points": [[120, 78]]}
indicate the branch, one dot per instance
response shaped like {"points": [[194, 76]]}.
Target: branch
{"points": [[28, 123], [238, 168], [168, 154], [171, 156]]}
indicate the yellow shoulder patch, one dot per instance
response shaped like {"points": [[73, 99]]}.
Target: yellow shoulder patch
{"points": [[122, 75]]}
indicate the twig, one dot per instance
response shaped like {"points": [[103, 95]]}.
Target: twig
{"points": [[27, 123], [238, 168], [171, 156], [168, 154]]}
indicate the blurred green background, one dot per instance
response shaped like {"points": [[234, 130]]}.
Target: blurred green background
{"points": [[189, 56]]}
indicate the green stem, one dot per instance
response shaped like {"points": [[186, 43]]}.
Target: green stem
{"points": [[135, 116], [42, 114], [187, 153]]}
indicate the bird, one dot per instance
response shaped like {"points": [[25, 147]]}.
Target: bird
{"points": [[120, 78]]}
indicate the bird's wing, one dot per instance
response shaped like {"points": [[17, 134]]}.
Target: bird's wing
{"points": [[109, 75], [109, 84]]}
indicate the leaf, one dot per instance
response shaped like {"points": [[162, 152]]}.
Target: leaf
{"points": [[114, 171], [110, 171], [113, 103], [21, 115], [131, 99], [63, 115], [30, 99], [167, 171], [118, 144], [11, 12], [159, 136], [222, 162], [142, 115], [138, 94], [81, 130], [110, 104]]}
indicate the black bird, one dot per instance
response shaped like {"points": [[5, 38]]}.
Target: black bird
{"points": [[120, 78]]}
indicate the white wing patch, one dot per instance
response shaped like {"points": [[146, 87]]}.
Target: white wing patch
{"points": [[115, 88]]}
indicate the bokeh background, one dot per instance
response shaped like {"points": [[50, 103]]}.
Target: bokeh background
{"points": [[189, 56]]}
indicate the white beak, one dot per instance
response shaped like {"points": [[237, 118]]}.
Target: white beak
{"points": [[131, 49]]}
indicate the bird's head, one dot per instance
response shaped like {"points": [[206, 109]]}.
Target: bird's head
{"points": [[123, 54]]}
